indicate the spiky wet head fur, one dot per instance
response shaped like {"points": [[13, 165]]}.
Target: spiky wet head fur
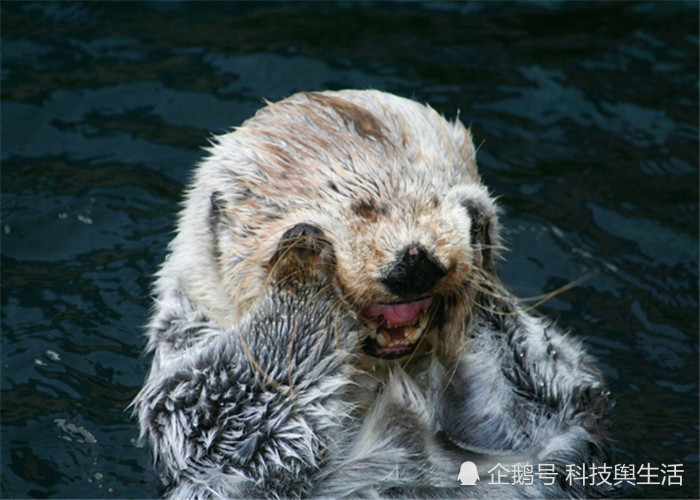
{"points": [[385, 180]]}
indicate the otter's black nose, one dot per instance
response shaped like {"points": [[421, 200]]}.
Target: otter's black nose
{"points": [[415, 273]]}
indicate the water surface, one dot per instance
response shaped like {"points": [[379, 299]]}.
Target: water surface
{"points": [[586, 117]]}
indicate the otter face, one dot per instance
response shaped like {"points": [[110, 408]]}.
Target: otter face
{"points": [[412, 268], [390, 184]]}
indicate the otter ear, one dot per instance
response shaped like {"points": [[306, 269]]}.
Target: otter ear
{"points": [[484, 226], [303, 253]]}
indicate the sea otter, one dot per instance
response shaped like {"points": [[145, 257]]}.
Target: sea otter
{"points": [[330, 322]]}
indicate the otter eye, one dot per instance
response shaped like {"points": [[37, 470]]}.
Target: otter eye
{"points": [[369, 209]]}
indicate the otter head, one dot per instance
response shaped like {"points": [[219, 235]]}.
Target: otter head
{"points": [[388, 183]]}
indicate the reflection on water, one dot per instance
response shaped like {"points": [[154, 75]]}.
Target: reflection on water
{"points": [[586, 117]]}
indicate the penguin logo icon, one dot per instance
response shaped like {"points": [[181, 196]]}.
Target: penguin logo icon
{"points": [[468, 475]]}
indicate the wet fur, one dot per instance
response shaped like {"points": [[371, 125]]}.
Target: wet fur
{"points": [[258, 387]]}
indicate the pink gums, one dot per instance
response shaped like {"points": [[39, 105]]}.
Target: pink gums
{"points": [[399, 313]]}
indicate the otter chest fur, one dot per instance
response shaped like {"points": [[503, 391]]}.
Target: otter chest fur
{"points": [[330, 322]]}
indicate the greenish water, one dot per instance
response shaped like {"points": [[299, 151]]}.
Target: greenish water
{"points": [[586, 115]]}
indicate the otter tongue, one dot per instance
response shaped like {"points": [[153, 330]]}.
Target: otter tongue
{"points": [[399, 313]]}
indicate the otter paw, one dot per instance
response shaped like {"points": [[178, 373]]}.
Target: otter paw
{"points": [[303, 255]]}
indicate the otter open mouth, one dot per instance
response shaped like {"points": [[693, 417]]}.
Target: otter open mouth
{"points": [[398, 328]]}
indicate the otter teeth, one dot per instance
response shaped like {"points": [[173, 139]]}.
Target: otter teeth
{"points": [[412, 331], [415, 334], [397, 325]]}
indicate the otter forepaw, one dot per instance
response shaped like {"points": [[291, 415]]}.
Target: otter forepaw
{"points": [[304, 255]]}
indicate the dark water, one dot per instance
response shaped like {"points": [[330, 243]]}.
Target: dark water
{"points": [[587, 119]]}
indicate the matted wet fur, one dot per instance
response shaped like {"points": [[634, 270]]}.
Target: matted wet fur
{"points": [[330, 322]]}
